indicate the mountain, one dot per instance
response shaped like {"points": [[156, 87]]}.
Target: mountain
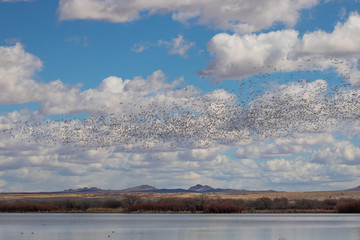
{"points": [[200, 188], [150, 189], [353, 189], [85, 190], [142, 188]]}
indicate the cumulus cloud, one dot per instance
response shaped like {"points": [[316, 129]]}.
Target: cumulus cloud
{"points": [[284, 147], [307, 140], [342, 42], [297, 171], [205, 155], [307, 174], [242, 56], [17, 84], [268, 151], [341, 152], [115, 94], [241, 16], [18, 70], [280, 173]]}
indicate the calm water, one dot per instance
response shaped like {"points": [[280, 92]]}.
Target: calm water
{"points": [[179, 226]]}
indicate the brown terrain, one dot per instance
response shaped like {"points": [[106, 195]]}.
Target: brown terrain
{"points": [[154, 196]]}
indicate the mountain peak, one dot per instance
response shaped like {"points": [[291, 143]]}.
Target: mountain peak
{"points": [[140, 188], [200, 188], [84, 190]]}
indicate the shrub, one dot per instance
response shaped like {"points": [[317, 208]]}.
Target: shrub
{"points": [[224, 207], [306, 204], [70, 204], [329, 204], [112, 203], [280, 203], [26, 207], [163, 205], [263, 203], [200, 201], [349, 207]]}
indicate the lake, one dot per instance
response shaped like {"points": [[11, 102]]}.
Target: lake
{"points": [[179, 226]]}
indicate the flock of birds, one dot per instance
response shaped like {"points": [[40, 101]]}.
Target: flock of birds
{"points": [[257, 110]]}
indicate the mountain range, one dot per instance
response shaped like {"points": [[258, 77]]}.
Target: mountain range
{"points": [[150, 189]]}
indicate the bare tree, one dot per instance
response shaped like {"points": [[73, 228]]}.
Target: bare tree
{"points": [[131, 199]]}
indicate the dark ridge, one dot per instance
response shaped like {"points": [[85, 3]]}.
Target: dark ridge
{"points": [[141, 188], [150, 189]]}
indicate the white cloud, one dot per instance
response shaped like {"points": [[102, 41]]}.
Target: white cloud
{"points": [[242, 16], [269, 150], [200, 154], [339, 43], [307, 140], [341, 152], [241, 56], [178, 45], [17, 0], [277, 165], [18, 70], [17, 84], [284, 147], [114, 95], [17, 67], [299, 172]]}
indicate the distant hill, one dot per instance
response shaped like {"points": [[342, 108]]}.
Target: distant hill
{"points": [[353, 189], [200, 188], [142, 188], [85, 190], [150, 189], [194, 189]]}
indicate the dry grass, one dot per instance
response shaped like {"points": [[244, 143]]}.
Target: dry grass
{"points": [[155, 196]]}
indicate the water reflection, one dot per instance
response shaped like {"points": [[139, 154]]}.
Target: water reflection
{"points": [[179, 226]]}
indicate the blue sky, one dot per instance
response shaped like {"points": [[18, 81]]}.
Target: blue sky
{"points": [[239, 94]]}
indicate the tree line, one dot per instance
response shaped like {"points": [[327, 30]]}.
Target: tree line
{"points": [[133, 203]]}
